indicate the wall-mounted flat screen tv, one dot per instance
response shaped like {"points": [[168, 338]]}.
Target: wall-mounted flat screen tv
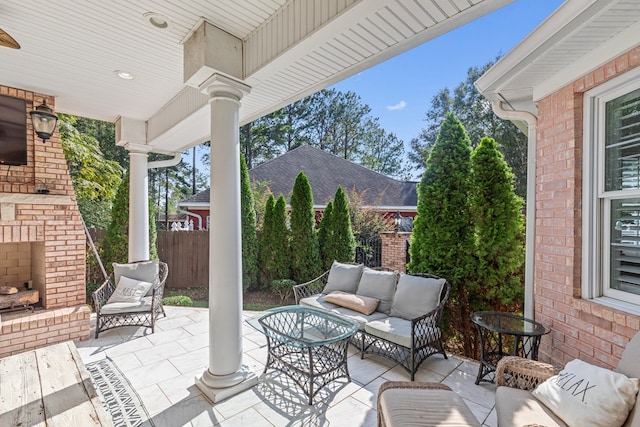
{"points": [[13, 131]]}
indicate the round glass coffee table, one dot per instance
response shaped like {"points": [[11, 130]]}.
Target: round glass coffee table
{"points": [[505, 334], [306, 344]]}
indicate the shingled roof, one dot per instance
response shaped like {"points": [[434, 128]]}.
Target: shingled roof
{"points": [[326, 172]]}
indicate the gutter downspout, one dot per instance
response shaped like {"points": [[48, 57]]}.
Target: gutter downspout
{"points": [[530, 231], [195, 215], [177, 157]]}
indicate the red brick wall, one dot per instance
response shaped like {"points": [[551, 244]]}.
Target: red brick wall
{"points": [[579, 328], [51, 225]]}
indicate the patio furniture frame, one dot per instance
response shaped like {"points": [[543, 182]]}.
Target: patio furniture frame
{"points": [[424, 341], [306, 344], [135, 318]]}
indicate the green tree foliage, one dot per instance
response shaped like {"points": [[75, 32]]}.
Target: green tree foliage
{"points": [[116, 240], [442, 242], [324, 230], [282, 252], [306, 262], [334, 121], [479, 120], [340, 244], [499, 225], [248, 227], [95, 179], [383, 152], [275, 255], [267, 243], [105, 133]]}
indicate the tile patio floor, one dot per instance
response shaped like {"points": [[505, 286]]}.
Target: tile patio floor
{"points": [[162, 368]]}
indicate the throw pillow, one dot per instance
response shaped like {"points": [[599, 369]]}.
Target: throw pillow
{"points": [[583, 394], [129, 290], [380, 285], [343, 277], [416, 296], [361, 304], [146, 271]]}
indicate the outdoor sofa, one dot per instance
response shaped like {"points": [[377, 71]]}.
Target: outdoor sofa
{"points": [[133, 298], [399, 314], [529, 393]]}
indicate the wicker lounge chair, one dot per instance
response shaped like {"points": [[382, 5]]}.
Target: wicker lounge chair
{"points": [[143, 313]]}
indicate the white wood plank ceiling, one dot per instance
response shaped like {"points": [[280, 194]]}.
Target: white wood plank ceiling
{"points": [[291, 48]]}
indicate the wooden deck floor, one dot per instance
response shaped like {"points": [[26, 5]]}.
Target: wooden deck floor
{"points": [[49, 387]]}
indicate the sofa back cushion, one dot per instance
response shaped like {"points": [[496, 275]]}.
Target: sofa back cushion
{"points": [[146, 271], [343, 277], [630, 367], [416, 296], [380, 285], [628, 364]]}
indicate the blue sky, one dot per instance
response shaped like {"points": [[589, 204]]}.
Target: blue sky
{"points": [[399, 90]]}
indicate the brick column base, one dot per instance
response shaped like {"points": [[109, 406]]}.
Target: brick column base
{"points": [[21, 332], [394, 250]]}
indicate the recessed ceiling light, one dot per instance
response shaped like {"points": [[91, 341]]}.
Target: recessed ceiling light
{"points": [[156, 20], [123, 74]]}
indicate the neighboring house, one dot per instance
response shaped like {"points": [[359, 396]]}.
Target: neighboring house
{"points": [[574, 84], [325, 173]]}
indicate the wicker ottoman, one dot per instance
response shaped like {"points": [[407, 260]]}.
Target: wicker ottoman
{"points": [[406, 404]]}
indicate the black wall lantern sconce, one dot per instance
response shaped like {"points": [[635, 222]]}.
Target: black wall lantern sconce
{"points": [[397, 221], [44, 121]]}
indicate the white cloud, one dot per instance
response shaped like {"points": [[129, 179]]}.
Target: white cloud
{"points": [[399, 106]]}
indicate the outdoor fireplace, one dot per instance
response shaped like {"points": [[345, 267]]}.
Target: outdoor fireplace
{"points": [[42, 244]]}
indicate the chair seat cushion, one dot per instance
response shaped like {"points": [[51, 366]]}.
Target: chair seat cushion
{"points": [[424, 407], [516, 408], [144, 304], [396, 330]]}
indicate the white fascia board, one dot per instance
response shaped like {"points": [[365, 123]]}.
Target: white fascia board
{"points": [[194, 205], [613, 48], [570, 16]]}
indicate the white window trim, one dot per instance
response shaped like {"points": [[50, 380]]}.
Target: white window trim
{"points": [[593, 238]]}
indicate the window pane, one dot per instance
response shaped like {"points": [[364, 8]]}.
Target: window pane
{"points": [[625, 245], [622, 142]]}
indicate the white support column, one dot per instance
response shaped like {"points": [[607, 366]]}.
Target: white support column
{"points": [[138, 205], [225, 376]]}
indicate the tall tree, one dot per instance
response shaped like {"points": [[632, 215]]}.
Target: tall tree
{"points": [[267, 244], [340, 245], [499, 225], [306, 255], [282, 252], [116, 240], [382, 152], [105, 133], [248, 227], [442, 242], [475, 113], [95, 179], [324, 231]]}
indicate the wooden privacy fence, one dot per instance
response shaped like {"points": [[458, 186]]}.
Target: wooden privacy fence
{"points": [[187, 254]]}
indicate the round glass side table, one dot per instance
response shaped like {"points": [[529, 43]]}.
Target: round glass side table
{"points": [[505, 334]]}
